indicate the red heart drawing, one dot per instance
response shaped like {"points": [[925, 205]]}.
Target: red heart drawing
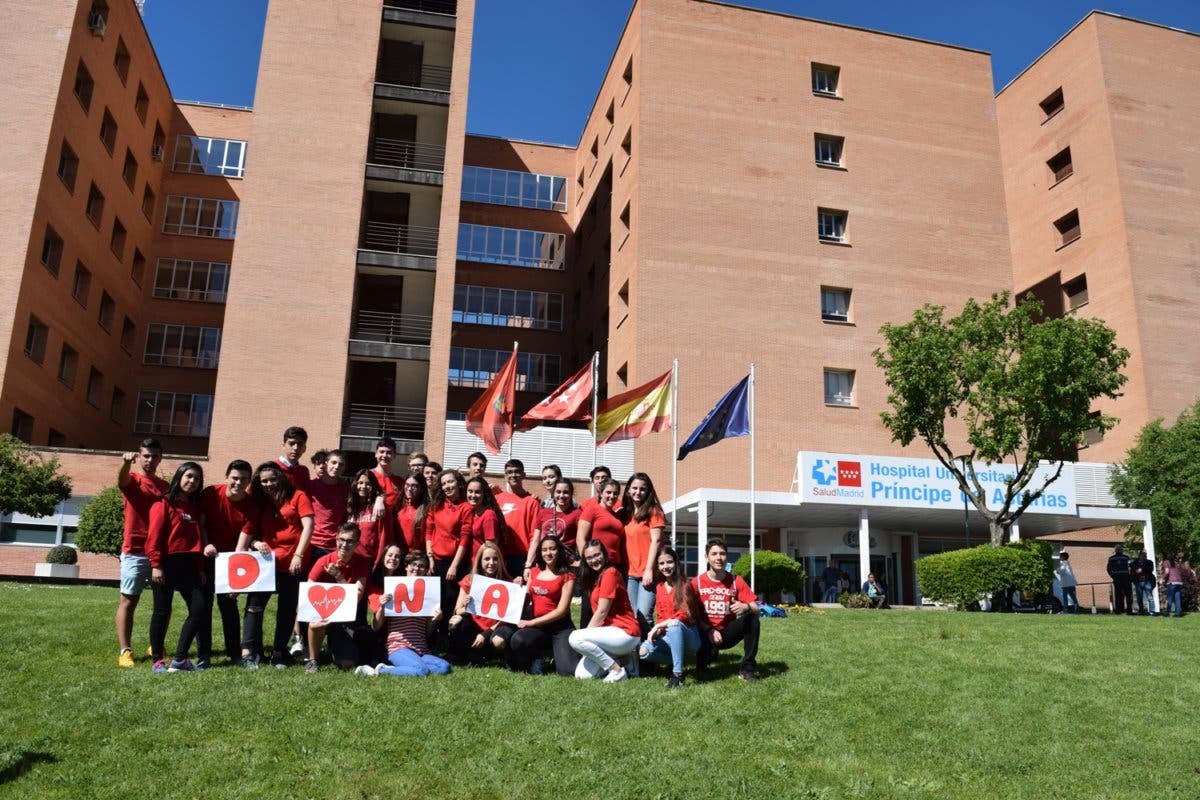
{"points": [[326, 601]]}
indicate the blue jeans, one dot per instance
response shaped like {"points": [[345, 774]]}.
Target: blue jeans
{"points": [[830, 595], [676, 643], [1068, 592], [1175, 598], [642, 600], [406, 662], [1145, 596]]}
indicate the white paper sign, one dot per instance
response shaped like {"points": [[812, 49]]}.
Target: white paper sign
{"points": [[327, 602], [244, 571], [496, 599], [412, 596]]}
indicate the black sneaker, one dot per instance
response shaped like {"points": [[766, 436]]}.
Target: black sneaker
{"points": [[675, 681], [748, 675], [281, 660], [311, 667]]}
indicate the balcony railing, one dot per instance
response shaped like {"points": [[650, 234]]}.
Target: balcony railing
{"points": [[449, 7], [409, 155], [417, 76], [381, 326], [370, 420], [390, 237]]}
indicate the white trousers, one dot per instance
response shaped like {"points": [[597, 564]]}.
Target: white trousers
{"points": [[598, 646]]}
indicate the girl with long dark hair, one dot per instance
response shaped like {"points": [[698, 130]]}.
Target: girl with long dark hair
{"points": [[487, 520], [174, 545], [366, 509], [613, 632], [550, 586], [675, 635], [644, 523]]}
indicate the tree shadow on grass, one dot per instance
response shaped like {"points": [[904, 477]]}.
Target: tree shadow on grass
{"points": [[731, 668], [14, 764]]}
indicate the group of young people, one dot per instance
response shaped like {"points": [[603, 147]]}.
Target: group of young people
{"points": [[636, 602]]}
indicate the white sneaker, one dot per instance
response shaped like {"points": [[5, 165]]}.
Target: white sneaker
{"points": [[614, 677], [365, 670], [295, 647]]}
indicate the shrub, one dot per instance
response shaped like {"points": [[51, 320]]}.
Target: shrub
{"points": [[854, 600], [102, 523], [773, 572], [62, 554], [963, 577]]}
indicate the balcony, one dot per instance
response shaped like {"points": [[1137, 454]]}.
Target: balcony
{"points": [[409, 162], [379, 334], [389, 244], [365, 424], [422, 13], [421, 83]]}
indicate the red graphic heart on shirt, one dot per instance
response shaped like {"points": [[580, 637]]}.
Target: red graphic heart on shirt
{"points": [[326, 601]]}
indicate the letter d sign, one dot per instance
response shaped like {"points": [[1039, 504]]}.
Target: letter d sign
{"points": [[243, 571]]}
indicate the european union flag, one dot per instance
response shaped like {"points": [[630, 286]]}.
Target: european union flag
{"points": [[731, 417]]}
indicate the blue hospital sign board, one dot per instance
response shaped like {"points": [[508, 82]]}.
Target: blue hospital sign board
{"points": [[858, 480]]}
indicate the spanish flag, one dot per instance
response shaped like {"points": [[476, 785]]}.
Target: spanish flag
{"points": [[637, 412]]}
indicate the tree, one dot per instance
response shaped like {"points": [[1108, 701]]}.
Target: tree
{"points": [[102, 523], [773, 572], [1162, 473], [1023, 387], [29, 483]]}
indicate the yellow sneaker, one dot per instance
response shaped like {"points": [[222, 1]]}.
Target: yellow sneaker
{"points": [[150, 652], [125, 659]]}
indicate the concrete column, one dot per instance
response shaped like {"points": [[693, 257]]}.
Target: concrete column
{"points": [[1148, 546], [701, 534], [864, 548], [1014, 533]]}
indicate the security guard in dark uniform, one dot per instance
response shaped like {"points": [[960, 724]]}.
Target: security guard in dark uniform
{"points": [[1119, 566]]}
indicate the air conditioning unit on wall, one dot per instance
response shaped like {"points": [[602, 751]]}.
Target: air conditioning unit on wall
{"points": [[96, 24]]}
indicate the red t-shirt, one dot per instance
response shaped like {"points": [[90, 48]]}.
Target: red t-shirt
{"points": [[620, 613], [609, 530], [485, 527], [174, 528], [140, 494], [716, 596], [448, 528], [664, 605], [637, 540], [484, 623], [374, 535], [392, 486], [281, 528], [521, 517], [297, 474], [406, 520], [556, 523], [224, 520], [329, 511], [546, 589], [357, 569]]}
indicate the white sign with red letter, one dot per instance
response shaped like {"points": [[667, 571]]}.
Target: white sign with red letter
{"points": [[412, 596], [244, 571], [496, 599], [327, 602]]}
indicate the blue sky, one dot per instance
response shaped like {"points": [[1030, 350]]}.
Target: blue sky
{"points": [[537, 64]]}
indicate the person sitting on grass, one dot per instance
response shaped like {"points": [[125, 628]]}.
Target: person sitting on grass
{"points": [[876, 591], [474, 638], [612, 631], [344, 565], [674, 635], [174, 545], [407, 637], [730, 612], [551, 584]]}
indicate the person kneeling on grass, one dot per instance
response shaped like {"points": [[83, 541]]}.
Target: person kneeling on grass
{"points": [[612, 632], [551, 584], [730, 612], [675, 635], [407, 637], [473, 638], [343, 565]]}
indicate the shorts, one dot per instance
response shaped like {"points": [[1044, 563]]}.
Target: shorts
{"points": [[135, 573]]}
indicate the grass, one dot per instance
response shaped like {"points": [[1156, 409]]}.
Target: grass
{"points": [[854, 704]]}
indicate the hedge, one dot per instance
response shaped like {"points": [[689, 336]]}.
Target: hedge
{"points": [[963, 577], [773, 572]]}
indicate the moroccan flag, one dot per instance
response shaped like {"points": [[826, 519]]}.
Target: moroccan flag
{"points": [[730, 418], [491, 418], [572, 400], [637, 412]]}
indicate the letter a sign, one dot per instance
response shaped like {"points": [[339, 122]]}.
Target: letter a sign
{"points": [[244, 571], [496, 599], [412, 597]]}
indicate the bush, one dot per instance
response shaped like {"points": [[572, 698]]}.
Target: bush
{"points": [[963, 577], [102, 523], [62, 554], [773, 572], [854, 599]]}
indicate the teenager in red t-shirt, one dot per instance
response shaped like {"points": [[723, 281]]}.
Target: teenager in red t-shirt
{"points": [[448, 535], [551, 584], [487, 521], [225, 508], [474, 638], [613, 632], [367, 509], [407, 638], [410, 517], [295, 442], [561, 521], [521, 510], [675, 635], [599, 476], [344, 565], [139, 490], [283, 527], [644, 523], [329, 491], [174, 544], [602, 523], [729, 612], [385, 456]]}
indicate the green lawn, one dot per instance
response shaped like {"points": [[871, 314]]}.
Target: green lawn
{"points": [[852, 704]]}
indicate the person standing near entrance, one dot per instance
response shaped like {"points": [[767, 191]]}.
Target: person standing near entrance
{"points": [[1067, 581], [1119, 569], [1143, 583], [831, 582]]}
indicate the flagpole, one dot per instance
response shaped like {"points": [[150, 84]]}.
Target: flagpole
{"points": [[595, 402], [674, 444], [752, 493], [513, 412]]}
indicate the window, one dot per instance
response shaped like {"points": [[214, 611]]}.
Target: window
{"points": [[68, 166], [829, 150], [95, 205], [108, 131], [627, 144], [22, 426], [624, 219], [831, 225], [116, 406], [52, 250], [129, 171], [1060, 166], [82, 284], [182, 346], [108, 311], [173, 414], [825, 79], [160, 140], [536, 372], [84, 86], [1092, 435], [179, 279], [142, 104], [200, 216], [95, 387], [35, 339], [512, 308], [56, 438], [148, 202], [128, 334], [1068, 228], [1076, 292], [835, 304], [207, 156], [68, 362], [610, 117], [121, 60], [1052, 104], [627, 76], [513, 247], [839, 387], [509, 188], [116, 242], [137, 271]]}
